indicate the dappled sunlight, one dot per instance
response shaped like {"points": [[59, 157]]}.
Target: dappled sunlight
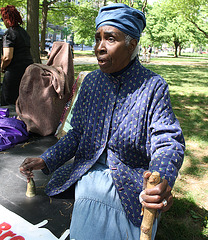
{"points": [[182, 76], [191, 184], [192, 112], [194, 163], [189, 221]]}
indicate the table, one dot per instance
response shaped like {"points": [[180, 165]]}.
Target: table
{"points": [[57, 210]]}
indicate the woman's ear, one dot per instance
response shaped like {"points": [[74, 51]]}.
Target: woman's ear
{"points": [[132, 45]]}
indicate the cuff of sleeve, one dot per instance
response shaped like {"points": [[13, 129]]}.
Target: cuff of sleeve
{"points": [[140, 196], [45, 171]]}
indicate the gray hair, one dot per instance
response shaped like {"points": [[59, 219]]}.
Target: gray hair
{"points": [[136, 50]]}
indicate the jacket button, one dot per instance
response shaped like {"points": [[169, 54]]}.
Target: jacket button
{"points": [[114, 168]]}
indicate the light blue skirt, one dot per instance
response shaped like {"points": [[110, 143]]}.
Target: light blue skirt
{"points": [[98, 213]]}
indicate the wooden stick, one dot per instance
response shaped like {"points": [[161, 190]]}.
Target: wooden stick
{"points": [[149, 214]]}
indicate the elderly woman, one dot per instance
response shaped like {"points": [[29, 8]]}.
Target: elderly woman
{"points": [[16, 54], [122, 126]]}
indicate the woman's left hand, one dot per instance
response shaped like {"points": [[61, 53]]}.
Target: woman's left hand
{"points": [[159, 197]]}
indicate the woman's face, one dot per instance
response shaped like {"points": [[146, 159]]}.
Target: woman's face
{"points": [[111, 50]]}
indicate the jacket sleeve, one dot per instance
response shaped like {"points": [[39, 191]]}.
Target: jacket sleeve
{"points": [[167, 141]]}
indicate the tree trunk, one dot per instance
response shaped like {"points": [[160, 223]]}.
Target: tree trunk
{"points": [[45, 7], [180, 49], [176, 49], [33, 28], [104, 2], [176, 44], [43, 24]]}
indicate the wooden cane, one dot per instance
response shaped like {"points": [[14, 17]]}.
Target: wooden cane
{"points": [[149, 214]]}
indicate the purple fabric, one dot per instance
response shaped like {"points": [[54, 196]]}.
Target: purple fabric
{"points": [[12, 130], [4, 112]]}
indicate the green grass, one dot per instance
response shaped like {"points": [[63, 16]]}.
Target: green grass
{"points": [[188, 83], [195, 55], [86, 67], [83, 53], [189, 92], [200, 59], [184, 221]]}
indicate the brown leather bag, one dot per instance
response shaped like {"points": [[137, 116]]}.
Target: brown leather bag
{"points": [[45, 89]]}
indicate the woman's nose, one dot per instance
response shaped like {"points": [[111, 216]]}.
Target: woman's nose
{"points": [[101, 46]]}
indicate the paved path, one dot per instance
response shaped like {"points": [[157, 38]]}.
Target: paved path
{"points": [[85, 60], [78, 60], [81, 60]]}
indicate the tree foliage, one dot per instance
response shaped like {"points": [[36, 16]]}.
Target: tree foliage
{"points": [[83, 24], [17, 3], [167, 21], [194, 11], [165, 25]]}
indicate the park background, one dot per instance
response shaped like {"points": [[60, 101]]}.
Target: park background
{"points": [[179, 29]]}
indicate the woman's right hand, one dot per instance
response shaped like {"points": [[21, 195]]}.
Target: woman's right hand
{"points": [[30, 164]]}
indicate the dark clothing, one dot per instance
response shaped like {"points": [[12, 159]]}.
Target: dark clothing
{"points": [[149, 50], [17, 38], [11, 83]]}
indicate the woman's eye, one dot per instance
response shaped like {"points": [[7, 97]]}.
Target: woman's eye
{"points": [[111, 39], [97, 40]]}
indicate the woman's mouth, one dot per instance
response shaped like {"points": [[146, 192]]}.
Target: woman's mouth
{"points": [[104, 64], [101, 61]]}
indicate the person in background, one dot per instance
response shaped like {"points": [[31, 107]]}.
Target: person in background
{"points": [[16, 54], [156, 51], [144, 54], [123, 128], [149, 51]]}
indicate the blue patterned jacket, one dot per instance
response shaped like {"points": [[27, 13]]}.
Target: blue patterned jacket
{"points": [[131, 117]]}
